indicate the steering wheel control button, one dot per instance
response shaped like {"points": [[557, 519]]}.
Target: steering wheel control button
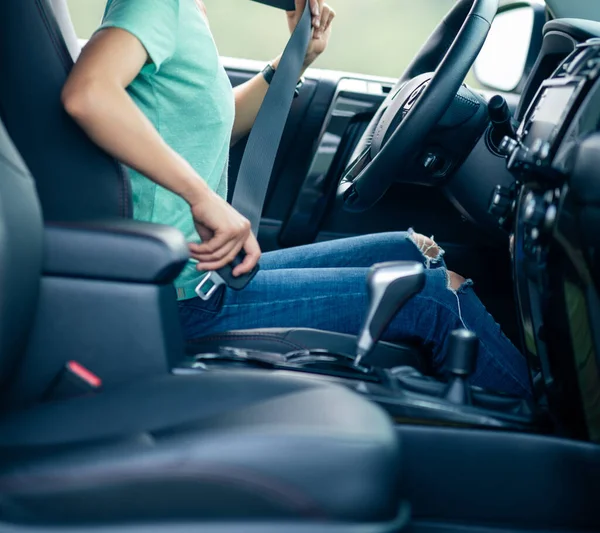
{"points": [[415, 95], [432, 162], [544, 152], [508, 145], [550, 217], [540, 214], [502, 205]]}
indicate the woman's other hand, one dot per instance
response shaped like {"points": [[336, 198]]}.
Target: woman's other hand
{"points": [[224, 232], [322, 17]]}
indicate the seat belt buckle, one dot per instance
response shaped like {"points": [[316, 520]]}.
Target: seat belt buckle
{"points": [[72, 381], [212, 281]]}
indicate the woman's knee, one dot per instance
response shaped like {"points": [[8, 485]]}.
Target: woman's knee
{"points": [[455, 281], [427, 246]]}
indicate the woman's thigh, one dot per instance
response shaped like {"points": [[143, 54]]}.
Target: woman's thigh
{"points": [[321, 298], [332, 299], [362, 251]]}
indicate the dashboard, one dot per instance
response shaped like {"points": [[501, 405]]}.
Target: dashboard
{"points": [[555, 159]]}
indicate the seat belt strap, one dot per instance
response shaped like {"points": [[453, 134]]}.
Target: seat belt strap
{"points": [[259, 157], [263, 143]]}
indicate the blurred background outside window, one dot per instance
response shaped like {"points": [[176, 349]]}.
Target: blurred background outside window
{"points": [[377, 37]]}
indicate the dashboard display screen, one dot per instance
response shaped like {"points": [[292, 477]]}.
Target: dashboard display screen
{"points": [[552, 105], [548, 114]]}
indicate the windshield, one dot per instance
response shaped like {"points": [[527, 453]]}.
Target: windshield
{"points": [[585, 9]]}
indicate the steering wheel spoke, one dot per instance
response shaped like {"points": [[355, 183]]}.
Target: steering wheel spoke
{"points": [[399, 130]]}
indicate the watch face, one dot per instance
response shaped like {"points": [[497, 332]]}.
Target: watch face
{"points": [[268, 73]]}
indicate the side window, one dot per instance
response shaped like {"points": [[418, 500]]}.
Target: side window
{"points": [[86, 15], [377, 37]]}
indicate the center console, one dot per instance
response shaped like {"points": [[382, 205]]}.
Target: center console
{"points": [[404, 392], [551, 209], [407, 395]]}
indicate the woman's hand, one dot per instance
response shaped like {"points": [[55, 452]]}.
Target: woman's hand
{"points": [[224, 232], [322, 17]]}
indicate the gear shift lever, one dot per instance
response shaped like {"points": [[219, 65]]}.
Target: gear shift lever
{"points": [[463, 348], [389, 286]]}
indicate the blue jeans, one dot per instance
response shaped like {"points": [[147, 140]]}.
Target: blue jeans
{"points": [[322, 286]]}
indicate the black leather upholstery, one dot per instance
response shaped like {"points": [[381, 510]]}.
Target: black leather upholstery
{"points": [[75, 179], [122, 250], [223, 445], [20, 254], [282, 340], [236, 445]]}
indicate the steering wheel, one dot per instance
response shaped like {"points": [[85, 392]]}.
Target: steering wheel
{"points": [[397, 133]]}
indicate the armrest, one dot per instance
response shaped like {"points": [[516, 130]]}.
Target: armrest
{"points": [[116, 249]]}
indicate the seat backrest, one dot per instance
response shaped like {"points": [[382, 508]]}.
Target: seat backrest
{"points": [[20, 254], [75, 179]]}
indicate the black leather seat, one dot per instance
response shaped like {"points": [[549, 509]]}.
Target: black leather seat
{"points": [[230, 445], [76, 181]]}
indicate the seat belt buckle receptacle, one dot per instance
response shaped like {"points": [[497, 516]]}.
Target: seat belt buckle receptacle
{"points": [[72, 381]]}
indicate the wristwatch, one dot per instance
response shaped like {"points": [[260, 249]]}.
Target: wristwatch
{"points": [[268, 72]]}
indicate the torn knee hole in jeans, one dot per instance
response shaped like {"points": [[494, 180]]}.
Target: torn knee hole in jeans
{"points": [[432, 253], [457, 285]]}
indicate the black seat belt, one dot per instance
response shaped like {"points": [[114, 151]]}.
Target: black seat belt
{"points": [[263, 143], [259, 157]]}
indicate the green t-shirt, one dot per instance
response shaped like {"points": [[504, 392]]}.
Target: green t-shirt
{"points": [[186, 94]]}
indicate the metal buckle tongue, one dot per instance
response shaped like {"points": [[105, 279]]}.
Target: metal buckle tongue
{"points": [[224, 276], [208, 285]]}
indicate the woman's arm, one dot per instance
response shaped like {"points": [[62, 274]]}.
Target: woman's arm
{"points": [[250, 95], [95, 96]]}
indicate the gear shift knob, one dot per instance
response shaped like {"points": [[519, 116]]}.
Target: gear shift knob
{"points": [[389, 287], [463, 348]]}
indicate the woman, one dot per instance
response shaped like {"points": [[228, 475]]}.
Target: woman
{"points": [[150, 90]]}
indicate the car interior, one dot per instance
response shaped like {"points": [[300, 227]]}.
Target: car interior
{"points": [[111, 421]]}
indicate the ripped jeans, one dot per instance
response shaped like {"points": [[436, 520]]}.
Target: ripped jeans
{"points": [[323, 286]]}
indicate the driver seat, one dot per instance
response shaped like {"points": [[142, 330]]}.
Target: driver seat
{"points": [[76, 181]]}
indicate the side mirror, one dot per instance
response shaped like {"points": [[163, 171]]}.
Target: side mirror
{"points": [[512, 47]]}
